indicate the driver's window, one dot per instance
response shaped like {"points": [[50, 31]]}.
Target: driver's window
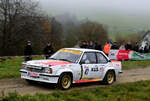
{"points": [[101, 58], [88, 58]]}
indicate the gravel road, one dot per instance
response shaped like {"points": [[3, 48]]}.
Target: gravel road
{"points": [[22, 87]]}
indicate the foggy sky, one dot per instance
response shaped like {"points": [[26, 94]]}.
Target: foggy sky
{"points": [[74, 5], [108, 11]]}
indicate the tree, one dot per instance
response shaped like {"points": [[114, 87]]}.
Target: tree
{"points": [[71, 39], [53, 32], [19, 21], [133, 38], [92, 31], [87, 30]]}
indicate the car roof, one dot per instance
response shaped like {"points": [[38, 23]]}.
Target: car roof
{"points": [[83, 49], [87, 50]]}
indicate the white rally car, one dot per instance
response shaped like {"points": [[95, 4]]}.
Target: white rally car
{"points": [[72, 65]]}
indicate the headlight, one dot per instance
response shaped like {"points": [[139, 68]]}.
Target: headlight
{"points": [[48, 70]]}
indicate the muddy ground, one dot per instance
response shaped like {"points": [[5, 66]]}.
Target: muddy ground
{"points": [[22, 87]]}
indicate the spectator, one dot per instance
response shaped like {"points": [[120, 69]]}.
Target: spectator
{"points": [[114, 46], [84, 44], [136, 47], [107, 47], [87, 44], [91, 46], [128, 46], [122, 47], [146, 48], [98, 47], [141, 50], [28, 51], [48, 50]]}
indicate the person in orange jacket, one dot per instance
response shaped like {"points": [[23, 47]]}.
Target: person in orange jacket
{"points": [[107, 47]]}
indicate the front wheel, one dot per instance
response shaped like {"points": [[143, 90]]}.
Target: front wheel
{"points": [[65, 81], [109, 77]]}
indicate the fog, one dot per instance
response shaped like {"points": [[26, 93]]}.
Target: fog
{"points": [[123, 13], [75, 5]]}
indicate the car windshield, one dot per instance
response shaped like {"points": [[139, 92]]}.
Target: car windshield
{"points": [[67, 55]]}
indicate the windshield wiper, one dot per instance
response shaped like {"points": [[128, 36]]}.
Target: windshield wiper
{"points": [[66, 60]]}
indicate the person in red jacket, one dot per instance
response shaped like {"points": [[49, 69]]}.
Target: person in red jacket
{"points": [[107, 47]]}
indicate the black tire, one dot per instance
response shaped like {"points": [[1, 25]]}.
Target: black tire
{"points": [[109, 77], [65, 81]]}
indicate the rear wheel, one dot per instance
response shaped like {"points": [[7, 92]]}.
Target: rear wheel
{"points": [[65, 81], [109, 77]]}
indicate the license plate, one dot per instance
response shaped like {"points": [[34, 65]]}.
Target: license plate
{"points": [[33, 74]]}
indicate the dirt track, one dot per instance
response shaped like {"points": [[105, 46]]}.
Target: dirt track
{"points": [[22, 87]]}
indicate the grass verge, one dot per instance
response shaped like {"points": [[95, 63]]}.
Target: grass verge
{"points": [[138, 91], [135, 64], [10, 68]]}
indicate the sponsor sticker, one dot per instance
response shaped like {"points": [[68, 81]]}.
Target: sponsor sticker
{"points": [[63, 65], [86, 71], [71, 51], [33, 74], [101, 69]]}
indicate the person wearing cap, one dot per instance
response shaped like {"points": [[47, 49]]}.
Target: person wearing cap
{"points": [[28, 51], [48, 50]]}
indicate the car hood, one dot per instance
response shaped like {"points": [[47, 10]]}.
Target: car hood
{"points": [[47, 62]]}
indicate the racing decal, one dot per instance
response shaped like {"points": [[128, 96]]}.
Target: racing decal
{"points": [[86, 71], [32, 74], [63, 65], [101, 69], [85, 78], [85, 67], [54, 63], [115, 61], [71, 51], [84, 81], [95, 69], [117, 65]]}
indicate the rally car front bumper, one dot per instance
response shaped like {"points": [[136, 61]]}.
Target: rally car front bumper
{"points": [[40, 77]]}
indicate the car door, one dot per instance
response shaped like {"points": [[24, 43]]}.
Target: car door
{"points": [[89, 66], [102, 62]]}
